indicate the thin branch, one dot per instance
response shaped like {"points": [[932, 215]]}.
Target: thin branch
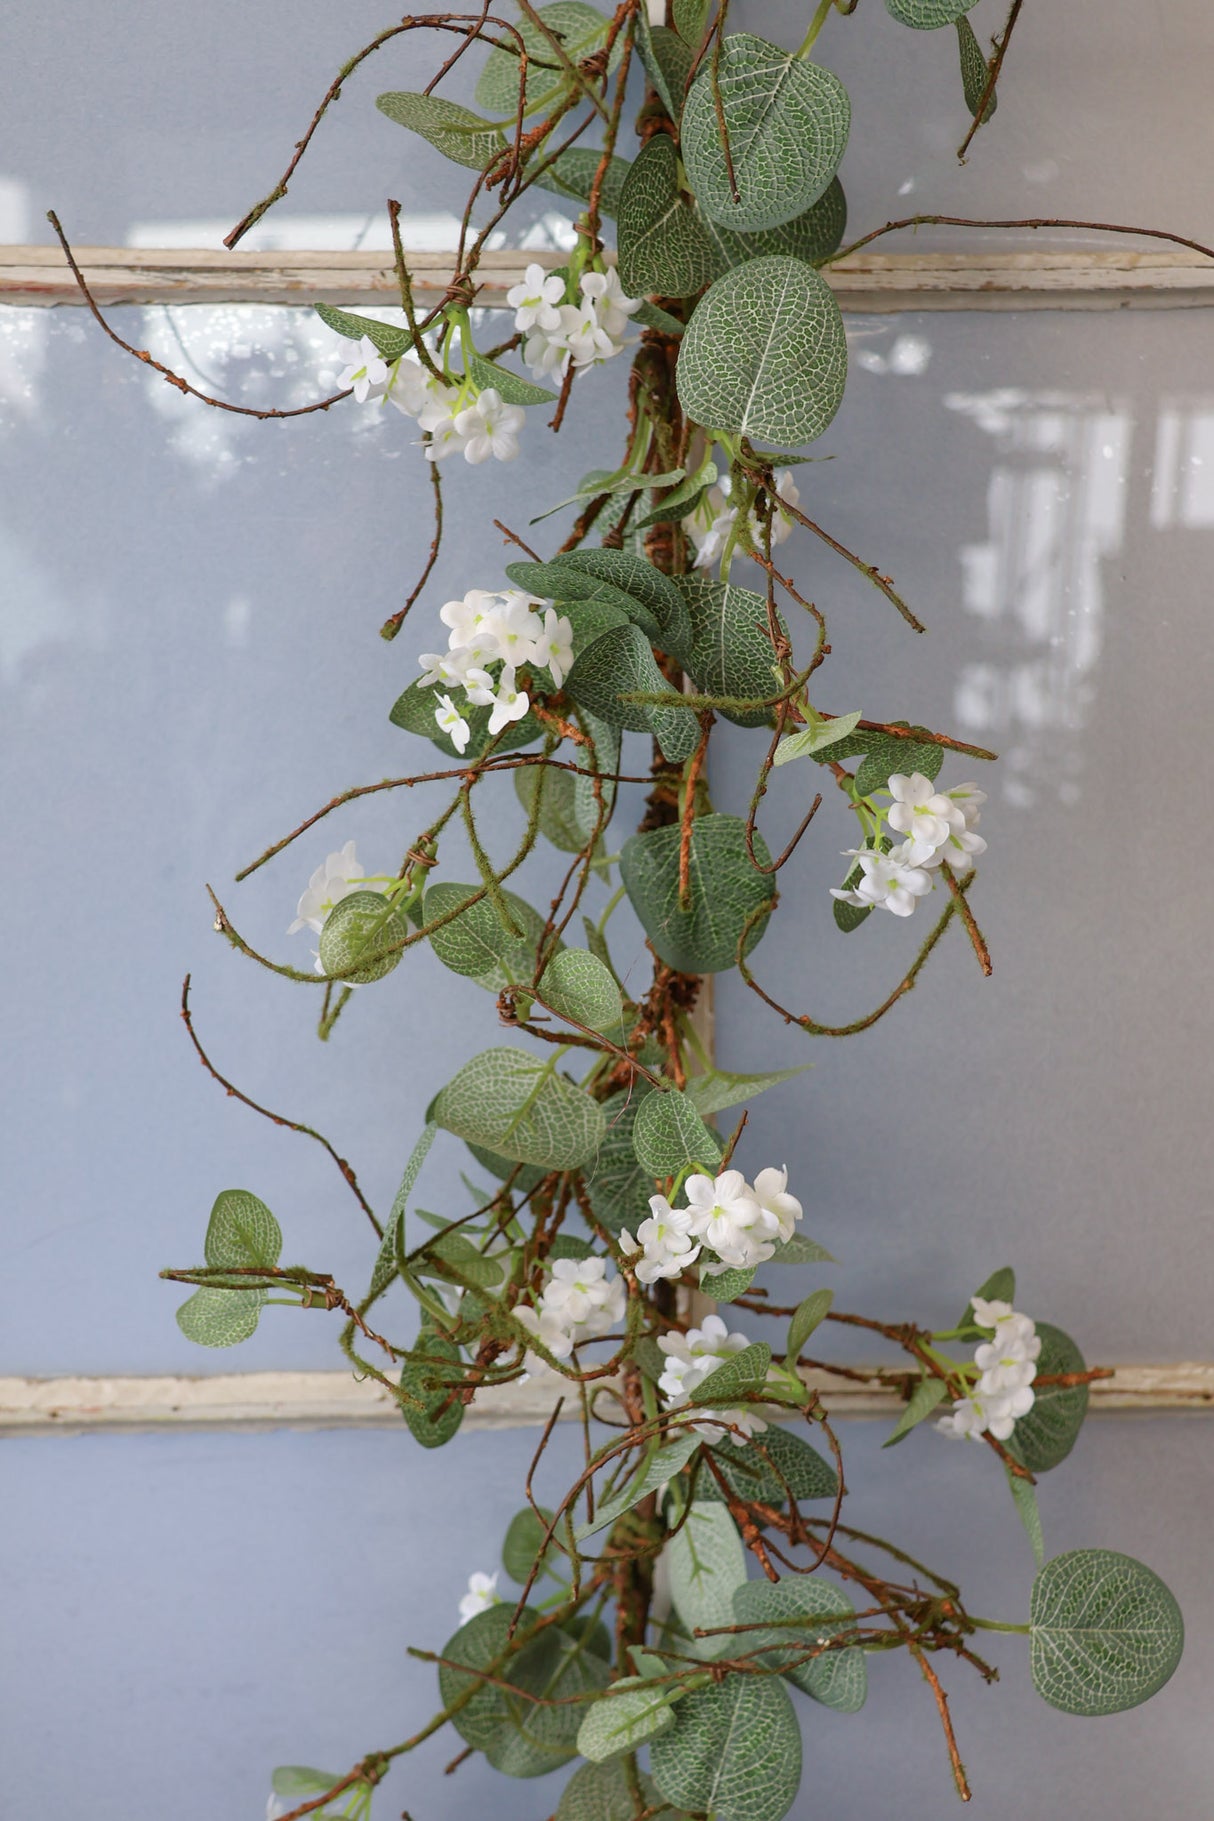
{"points": [[996, 66]]}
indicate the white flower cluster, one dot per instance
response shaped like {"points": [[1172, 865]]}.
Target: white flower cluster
{"points": [[738, 1222], [558, 332], [486, 628], [939, 828], [713, 520], [481, 1595], [459, 417], [690, 1358], [1007, 1365], [579, 1302]]}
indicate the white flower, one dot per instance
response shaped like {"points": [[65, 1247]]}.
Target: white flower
{"points": [[1007, 1368], [726, 1216], [509, 704], [452, 722], [923, 813], [534, 301], [962, 846], [711, 533], [442, 401], [1005, 1408], [554, 648], [665, 1240], [780, 1211], [445, 438], [409, 385], [891, 881], [577, 1287], [690, 1359], [481, 1595], [989, 1314], [339, 875], [713, 520], [965, 1422], [511, 631], [549, 1329], [490, 427], [454, 666], [613, 309], [584, 335], [369, 377], [547, 356]]}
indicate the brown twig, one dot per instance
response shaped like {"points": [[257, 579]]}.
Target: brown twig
{"points": [[993, 73]]}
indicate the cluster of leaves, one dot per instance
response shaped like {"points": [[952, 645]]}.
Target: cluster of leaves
{"points": [[723, 220]]}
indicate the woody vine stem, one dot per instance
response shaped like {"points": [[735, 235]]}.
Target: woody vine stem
{"points": [[699, 1571]]}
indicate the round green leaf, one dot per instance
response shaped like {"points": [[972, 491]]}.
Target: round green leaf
{"points": [[624, 1720], [731, 653], [812, 236], [220, 1318], [522, 1108], [241, 1231], [362, 924], [734, 1750], [928, 15], [707, 1563], [765, 354], [726, 891], [649, 593], [523, 1541], [669, 1135], [581, 30], [838, 1678], [579, 987], [574, 172], [474, 943], [1106, 1632], [427, 1374], [602, 1792], [619, 1187], [663, 247], [619, 665], [787, 122], [975, 71], [769, 1468], [1048, 1433]]}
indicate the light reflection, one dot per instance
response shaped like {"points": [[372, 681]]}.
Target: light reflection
{"points": [[1056, 501], [1182, 484]]}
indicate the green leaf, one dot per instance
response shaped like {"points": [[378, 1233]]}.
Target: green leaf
{"points": [[669, 1135], [570, 584], [928, 15], [660, 1467], [725, 1286], [770, 1468], [731, 653], [619, 664], [1000, 1287], [621, 1722], [519, 1737], [453, 130], [299, 1780], [602, 1792], [809, 1314], [581, 31], [667, 61], [662, 244], [241, 1231], [513, 389], [690, 18], [652, 316], [707, 1562], [523, 1541], [765, 354], [1106, 1633], [649, 592], [975, 72], [734, 1751], [1047, 1434], [523, 1109], [220, 1318], [738, 1375], [385, 1262], [474, 942], [618, 1186], [815, 739], [838, 1678], [726, 892], [787, 122], [414, 711], [683, 501], [431, 1363], [812, 236], [801, 1251], [466, 1258], [1024, 1497], [362, 924], [569, 811], [573, 174], [926, 1396], [580, 988], [388, 338]]}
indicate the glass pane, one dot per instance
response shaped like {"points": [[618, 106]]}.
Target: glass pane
{"points": [[312, 1561], [144, 126]]}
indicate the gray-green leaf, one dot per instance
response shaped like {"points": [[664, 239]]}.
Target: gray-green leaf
{"points": [[662, 244], [810, 740], [580, 988], [765, 354], [622, 1721], [809, 1314], [975, 72], [928, 15], [521, 1108], [523, 1542], [1106, 1633], [734, 1751], [727, 892], [669, 1135], [837, 1678], [581, 30], [619, 1187], [434, 1360], [391, 340], [453, 130], [220, 1318], [1024, 1497], [573, 174], [602, 1792], [716, 1090], [660, 1467], [707, 1562], [474, 942], [362, 924], [620, 664], [1047, 1434], [772, 1467], [731, 650], [926, 1396], [787, 122], [241, 1231], [812, 236]]}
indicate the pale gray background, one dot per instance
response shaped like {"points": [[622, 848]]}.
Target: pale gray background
{"points": [[1040, 487]]}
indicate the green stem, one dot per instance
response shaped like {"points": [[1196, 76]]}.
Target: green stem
{"points": [[816, 24], [998, 1625]]}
